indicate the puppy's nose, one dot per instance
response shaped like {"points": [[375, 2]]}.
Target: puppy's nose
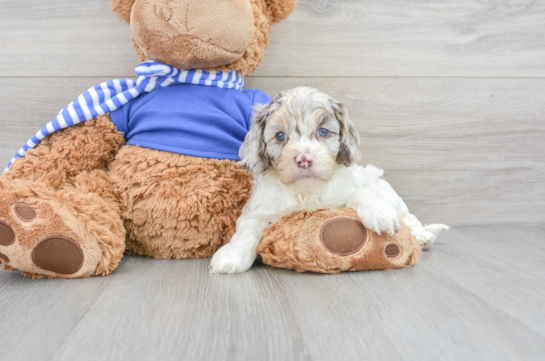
{"points": [[304, 160]]}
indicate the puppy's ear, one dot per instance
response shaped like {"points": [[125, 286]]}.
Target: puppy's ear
{"points": [[252, 152], [280, 9], [348, 151]]}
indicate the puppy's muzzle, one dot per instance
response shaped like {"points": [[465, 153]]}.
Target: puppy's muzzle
{"points": [[304, 160]]}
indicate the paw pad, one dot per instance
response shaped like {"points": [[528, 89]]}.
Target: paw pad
{"points": [[58, 254], [392, 250], [3, 258], [343, 236], [7, 234], [24, 212]]}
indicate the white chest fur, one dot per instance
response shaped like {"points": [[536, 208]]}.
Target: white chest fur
{"points": [[272, 199]]}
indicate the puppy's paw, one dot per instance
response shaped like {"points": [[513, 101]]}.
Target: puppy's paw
{"points": [[232, 259], [381, 219], [426, 235]]}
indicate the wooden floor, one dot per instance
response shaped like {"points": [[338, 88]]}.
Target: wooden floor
{"points": [[479, 294]]}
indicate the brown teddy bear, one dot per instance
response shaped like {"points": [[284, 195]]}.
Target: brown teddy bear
{"points": [[78, 195], [149, 167]]}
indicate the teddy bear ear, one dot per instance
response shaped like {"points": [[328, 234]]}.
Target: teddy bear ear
{"points": [[123, 8], [280, 9]]}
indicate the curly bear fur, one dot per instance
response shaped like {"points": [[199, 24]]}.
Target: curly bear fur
{"points": [[177, 206]]}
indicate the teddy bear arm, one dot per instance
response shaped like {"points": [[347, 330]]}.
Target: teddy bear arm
{"points": [[66, 153]]}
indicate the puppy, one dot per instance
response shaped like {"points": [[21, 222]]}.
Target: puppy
{"points": [[302, 150]]}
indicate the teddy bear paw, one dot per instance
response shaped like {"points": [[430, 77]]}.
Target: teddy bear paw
{"points": [[35, 239]]}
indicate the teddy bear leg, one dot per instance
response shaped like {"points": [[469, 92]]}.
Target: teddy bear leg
{"points": [[178, 206], [59, 217], [332, 241]]}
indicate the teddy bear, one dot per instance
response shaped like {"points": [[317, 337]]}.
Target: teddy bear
{"points": [[145, 167], [149, 166]]}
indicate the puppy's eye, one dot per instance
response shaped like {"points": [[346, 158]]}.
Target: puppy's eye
{"points": [[280, 136], [323, 132]]}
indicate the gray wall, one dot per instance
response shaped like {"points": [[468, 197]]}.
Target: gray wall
{"points": [[449, 96]]}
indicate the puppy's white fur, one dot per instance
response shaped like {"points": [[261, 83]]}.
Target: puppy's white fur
{"points": [[333, 181]]}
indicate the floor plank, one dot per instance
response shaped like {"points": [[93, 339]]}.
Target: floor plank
{"points": [[459, 151], [499, 270], [40, 315], [469, 298], [176, 306], [444, 38]]}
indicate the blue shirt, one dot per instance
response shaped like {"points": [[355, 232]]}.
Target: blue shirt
{"points": [[196, 120]]}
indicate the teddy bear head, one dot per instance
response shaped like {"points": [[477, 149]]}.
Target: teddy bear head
{"points": [[203, 34]]}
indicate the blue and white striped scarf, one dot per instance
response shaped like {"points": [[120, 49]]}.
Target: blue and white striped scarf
{"points": [[111, 95]]}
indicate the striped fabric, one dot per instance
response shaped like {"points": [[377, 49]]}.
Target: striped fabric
{"points": [[113, 94]]}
